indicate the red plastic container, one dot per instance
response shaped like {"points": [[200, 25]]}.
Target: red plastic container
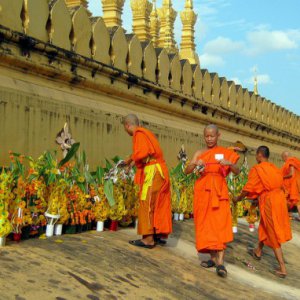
{"points": [[113, 225], [17, 237]]}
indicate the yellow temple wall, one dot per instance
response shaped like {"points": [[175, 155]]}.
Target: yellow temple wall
{"points": [[58, 64]]}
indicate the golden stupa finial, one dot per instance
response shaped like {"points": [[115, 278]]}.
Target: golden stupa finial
{"points": [[167, 15], [112, 12], [154, 25], [255, 82], [187, 46], [74, 3], [141, 10], [189, 4]]}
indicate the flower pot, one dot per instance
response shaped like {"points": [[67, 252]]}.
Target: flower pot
{"points": [[89, 226], [234, 229], [251, 227], [71, 229], [113, 225], [2, 241], [181, 217], [176, 217], [25, 233], [40, 230], [58, 229], [78, 228], [49, 230], [100, 226], [17, 237]]}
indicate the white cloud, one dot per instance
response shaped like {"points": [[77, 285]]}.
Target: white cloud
{"points": [[264, 41], [209, 60], [222, 45], [261, 79]]}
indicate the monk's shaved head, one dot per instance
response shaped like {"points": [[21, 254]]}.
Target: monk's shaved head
{"points": [[264, 151], [285, 155], [131, 119], [212, 127]]}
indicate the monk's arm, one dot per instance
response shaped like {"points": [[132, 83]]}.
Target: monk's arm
{"points": [[233, 167], [240, 197], [193, 163], [291, 173]]}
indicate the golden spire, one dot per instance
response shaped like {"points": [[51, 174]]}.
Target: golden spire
{"points": [[154, 25], [141, 10], [73, 3], [112, 12], [255, 83], [187, 46], [167, 16]]}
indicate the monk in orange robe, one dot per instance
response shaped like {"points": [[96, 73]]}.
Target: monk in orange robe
{"points": [[265, 182], [212, 215], [291, 180], [154, 214]]}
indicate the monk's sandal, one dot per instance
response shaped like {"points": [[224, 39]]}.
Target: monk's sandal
{"points": [[208, 264], [221, 271]]}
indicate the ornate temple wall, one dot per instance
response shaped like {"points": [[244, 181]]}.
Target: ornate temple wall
{"points": [[61, 65]]}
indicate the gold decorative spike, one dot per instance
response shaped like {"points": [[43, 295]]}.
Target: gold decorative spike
{"points": [[154, 25], [141, 10], [255, 83], [74, 3], [167, 16], [112, 12], [187, 46]]}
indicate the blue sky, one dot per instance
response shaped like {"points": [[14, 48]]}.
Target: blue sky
{"points": [[235, 37]]}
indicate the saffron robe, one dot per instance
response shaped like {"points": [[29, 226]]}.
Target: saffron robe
{"points": [[154, 212], [266, 182], [292, 184], [212, 215]]}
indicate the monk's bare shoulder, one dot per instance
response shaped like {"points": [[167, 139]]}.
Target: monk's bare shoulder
{"points": [[198, 153]]}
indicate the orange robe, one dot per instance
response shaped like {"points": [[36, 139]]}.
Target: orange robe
{"points": [[292, 184], [266, 182], [154, 212], [212, 215]]}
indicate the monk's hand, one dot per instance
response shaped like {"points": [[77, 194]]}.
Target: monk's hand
{"points": [[199, 167], [127, 169], [236, 199], [224, 162], [126, 162], [199, 162]]}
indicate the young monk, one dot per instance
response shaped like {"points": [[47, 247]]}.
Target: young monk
{"points": [[212, 215], [154, 214], [291, 180], [265, 181]]}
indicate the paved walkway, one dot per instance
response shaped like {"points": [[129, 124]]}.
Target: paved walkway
{"points": [[104, 266]]}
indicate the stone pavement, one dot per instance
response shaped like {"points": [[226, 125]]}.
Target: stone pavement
{"points": [[95, 266]]}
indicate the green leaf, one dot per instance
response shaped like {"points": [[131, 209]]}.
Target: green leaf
{"points": [[116, 159], [51, 178], [16, 154], [108, 165], [109, 192], [70, 154], [32, 177], [84, 158], [88, 177], [99, 174], [177, 170], [81, 186]]}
